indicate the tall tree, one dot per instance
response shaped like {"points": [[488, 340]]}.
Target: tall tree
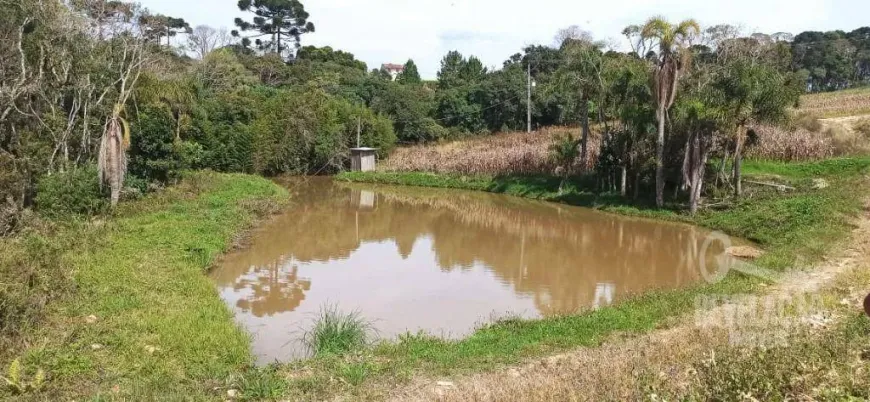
{"points": [[409, 75], [581, 73], [672, 57], [327, 54], [472, 70], [754, 93], [700, 116], [106, 16], [158, 26], [204, 39], [282, 22], [450, 74], [131, 54]]}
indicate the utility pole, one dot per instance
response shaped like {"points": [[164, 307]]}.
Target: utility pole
{"points": [[358, 129], [529, 100]]}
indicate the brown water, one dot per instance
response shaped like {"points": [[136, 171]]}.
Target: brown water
{"points": [[440, 261]]}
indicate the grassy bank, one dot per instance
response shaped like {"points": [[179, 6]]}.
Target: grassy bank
{"points": [[141, 320], [799, 226]]}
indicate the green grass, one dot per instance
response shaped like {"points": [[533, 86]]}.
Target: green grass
{"points": [[161, 330], [838, 167]]}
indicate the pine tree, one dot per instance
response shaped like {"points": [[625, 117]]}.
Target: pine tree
{"points": [[281, 22], [410, 75]]}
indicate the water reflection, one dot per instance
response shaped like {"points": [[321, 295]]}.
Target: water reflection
{"points": [[441, 261]]}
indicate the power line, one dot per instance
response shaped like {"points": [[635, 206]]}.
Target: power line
{"points": [[481, 110]]}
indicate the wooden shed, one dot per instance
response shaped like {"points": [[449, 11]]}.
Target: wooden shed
{"points": [[362, 159]]}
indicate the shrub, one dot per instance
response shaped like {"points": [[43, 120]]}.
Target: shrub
{"points": [[155, 152], [846, 141], [76, 191], [335, 332], [13, 183], [807, 121], [863, 127], [32, 275], [315, 136]]}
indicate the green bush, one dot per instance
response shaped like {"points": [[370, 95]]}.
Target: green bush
{"points": [[155, 151], [310, 131], [222, 126], [76, 191]]}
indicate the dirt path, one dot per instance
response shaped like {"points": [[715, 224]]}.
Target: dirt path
{"points": [[621, 368]]}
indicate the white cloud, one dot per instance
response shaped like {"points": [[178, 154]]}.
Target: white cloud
{"points": [[379, 31]]}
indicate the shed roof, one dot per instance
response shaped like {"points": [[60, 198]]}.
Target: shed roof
{"points": [[363, 149]]}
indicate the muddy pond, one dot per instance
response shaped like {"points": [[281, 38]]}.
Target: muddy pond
{"points": [[441, 261]]}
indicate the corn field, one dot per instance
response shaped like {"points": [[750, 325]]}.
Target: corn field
{"points": [[836, 104], [508, 153], [790, 145], [521, 153]]}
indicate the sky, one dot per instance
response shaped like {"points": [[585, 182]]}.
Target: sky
{"points": [[393, 31]]}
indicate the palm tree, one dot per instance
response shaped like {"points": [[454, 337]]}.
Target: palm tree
{"points": [[672, 58], [701, 116], [112, 160]]}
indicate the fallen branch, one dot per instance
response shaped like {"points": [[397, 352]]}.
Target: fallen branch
{"points": [[780, 187]]}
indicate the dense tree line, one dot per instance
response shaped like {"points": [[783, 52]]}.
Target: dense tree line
{"points": [[102, 84], [96, 86], [832, 60]]}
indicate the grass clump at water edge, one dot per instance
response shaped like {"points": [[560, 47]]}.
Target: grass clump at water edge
{"points": [[336, 332]]}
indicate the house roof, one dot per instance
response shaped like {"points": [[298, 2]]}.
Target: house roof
{"points": [[391, 66]]}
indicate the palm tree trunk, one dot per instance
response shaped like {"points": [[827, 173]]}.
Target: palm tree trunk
{"points": [[660, 154], [622, 180], [112, 160], [584, 141], [738, 160], [636, 184], [697, 151]]}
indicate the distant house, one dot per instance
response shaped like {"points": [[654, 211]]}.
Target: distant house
{"points": [[393, 69]]}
